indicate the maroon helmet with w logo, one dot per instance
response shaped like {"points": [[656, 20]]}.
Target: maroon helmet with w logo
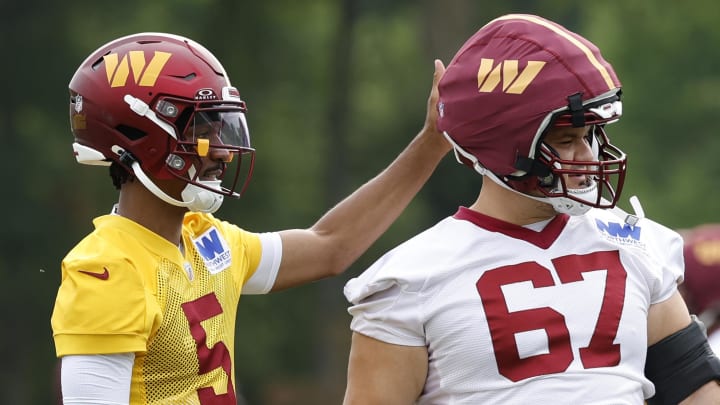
{"points": [[702, 270], [155, 104], [518, 76]]}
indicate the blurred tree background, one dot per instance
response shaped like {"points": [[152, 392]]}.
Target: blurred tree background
{"points": [[335, 89]]}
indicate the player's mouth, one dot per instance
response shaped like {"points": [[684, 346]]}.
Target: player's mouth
{"points": [[212, 173], [579, 181]]}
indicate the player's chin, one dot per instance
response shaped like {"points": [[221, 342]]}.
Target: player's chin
{"points": [[211, 175]]}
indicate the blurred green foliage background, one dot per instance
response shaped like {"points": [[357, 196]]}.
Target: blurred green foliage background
{"points": [[335, 90]]}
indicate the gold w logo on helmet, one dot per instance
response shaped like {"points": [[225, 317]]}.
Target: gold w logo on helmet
{"points": [[513, 82], [708, 252], [144, 74]]}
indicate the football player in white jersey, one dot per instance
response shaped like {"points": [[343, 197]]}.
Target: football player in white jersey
{"points": [[701, 287], [541, 291]]}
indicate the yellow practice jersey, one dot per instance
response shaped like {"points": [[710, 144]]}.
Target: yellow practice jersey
{"points": [[126, 289]]}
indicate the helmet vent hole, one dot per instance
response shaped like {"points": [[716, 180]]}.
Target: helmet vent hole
{"points": [[188, 77], [130, 132], [96, 65]]}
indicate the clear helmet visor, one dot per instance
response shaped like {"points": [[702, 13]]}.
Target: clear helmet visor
{"points": [[221, 129], [213, 151]]}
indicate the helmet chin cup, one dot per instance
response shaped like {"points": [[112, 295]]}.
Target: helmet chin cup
{"points": [[194, 198], [564, 205], [199, 199], [561, 205], [567, 206]]}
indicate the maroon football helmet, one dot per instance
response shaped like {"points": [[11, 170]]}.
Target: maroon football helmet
{"points": [[515, 78], [156, 104], [702, 269]]}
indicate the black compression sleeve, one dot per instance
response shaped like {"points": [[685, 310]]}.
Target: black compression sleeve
{"points": [[680, 364]]}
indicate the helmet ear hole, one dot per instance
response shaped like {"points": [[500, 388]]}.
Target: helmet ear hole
{"points": [[98, 62], [131, 133]]}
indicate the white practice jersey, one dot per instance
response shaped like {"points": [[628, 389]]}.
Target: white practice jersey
{"points": [[514, 316]]}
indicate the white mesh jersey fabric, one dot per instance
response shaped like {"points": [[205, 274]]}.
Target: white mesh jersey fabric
{"points": [[514, 316]]}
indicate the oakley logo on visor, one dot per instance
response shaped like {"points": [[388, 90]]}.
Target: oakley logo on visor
{"points": [[206, 94]]}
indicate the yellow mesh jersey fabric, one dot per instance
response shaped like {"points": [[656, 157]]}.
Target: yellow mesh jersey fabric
{"points": [[177, 313]]}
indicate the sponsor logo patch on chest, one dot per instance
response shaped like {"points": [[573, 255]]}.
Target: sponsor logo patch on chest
{"points": [[214, 250], [624, 234]]}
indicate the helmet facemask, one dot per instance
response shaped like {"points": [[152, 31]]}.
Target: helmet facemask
{"points": [[607, 174], [211, 135], [210, 151], [548, 173]]}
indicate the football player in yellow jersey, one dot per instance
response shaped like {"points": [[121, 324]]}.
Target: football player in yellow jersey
{"points": [[145, 312]]}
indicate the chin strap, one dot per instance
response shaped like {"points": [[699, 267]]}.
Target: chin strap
{"points": [[561, 205], [569, 206], [140, 108], [196, 199]]}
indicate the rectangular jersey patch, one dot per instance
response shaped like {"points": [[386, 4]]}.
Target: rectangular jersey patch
{"points": [[214, 250]]}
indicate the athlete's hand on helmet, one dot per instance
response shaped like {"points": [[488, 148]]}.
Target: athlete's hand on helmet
{"points": [[431, 117]]}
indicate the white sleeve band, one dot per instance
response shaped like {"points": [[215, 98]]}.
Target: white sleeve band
{"points": [[264, 277], [98, 379]]}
